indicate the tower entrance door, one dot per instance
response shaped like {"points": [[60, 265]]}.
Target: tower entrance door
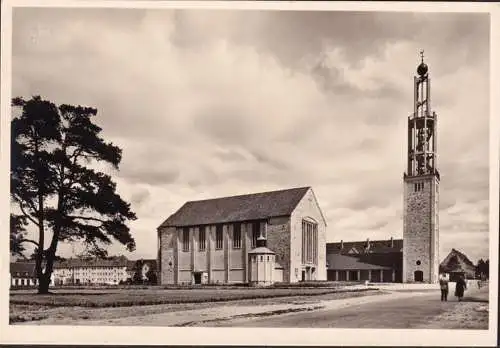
{"points": [[197, 277], [419, 276]]}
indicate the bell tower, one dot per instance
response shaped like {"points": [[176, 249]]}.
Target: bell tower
{"points": [[421, 187]]}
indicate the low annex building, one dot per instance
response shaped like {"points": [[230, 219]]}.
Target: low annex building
{"points": [[209, 241], [374, 261]]}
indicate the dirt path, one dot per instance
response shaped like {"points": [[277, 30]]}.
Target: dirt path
{"points": [[401, 310]]}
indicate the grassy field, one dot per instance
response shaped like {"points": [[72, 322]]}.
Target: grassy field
{"points": [[71, 314], [139, 297]]}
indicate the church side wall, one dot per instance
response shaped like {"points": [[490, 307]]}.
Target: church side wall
{"points": [[278, 240], [167, 255]]}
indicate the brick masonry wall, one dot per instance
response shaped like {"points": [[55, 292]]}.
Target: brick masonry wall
{"points": [[278, 240], [309, 208], [166, 256], [421, 229]]}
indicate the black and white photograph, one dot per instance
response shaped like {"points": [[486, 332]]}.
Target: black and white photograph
{"points": [[246, 165]]}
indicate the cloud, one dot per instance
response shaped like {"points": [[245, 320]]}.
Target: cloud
{"points": [[213, 103]]}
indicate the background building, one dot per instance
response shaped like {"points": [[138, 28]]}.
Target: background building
{"points": [[457, 264], [22, 274], [375, 261], [90, 271], [208, 241]]}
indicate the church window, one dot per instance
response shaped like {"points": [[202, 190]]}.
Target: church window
{"points": [[237, 236], [219, 237], [255, 233], [309, 241], [202, 240], [418, 262], [185, 239]]}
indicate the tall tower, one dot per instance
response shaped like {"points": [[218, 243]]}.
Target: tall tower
{"points": [[421, 187]]}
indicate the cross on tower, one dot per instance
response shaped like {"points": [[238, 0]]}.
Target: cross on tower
{"points": [[422, 55]]}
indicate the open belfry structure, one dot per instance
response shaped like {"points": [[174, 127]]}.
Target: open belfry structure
{"points": [[421, 187]]}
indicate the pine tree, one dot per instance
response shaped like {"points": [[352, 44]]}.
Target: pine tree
{"points": [[55, 187]]}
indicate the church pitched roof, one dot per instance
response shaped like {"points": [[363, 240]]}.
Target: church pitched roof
{"points": [[248, 207]]}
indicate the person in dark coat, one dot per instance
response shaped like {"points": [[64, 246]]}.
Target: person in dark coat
{"points": [[460, 288], [443, 284]]}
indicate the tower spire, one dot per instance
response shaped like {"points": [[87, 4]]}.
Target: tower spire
{"points": [[422, 55]]}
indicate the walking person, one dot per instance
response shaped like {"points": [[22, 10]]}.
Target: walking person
{"points": [[443, 284], [460, 288]]}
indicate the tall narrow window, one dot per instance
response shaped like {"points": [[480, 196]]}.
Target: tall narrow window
{"points": [[185, 239], [237, 236], [219, 237], [255, 233], [202, 240], [309, 241]]}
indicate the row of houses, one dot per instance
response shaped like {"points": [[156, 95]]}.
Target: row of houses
{"points": [[111, 271]]}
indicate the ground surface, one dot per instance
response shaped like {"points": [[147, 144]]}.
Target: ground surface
{"points": [[395, 311], [76, 306], [394, 307]]}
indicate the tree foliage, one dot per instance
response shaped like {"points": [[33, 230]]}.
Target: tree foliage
{"points": [[483, 268], [55, 186]]}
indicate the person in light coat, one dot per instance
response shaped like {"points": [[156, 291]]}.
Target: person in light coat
{"points": [[443, 285]]}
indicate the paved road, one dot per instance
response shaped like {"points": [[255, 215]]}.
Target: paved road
{"points": [[402, 313]]}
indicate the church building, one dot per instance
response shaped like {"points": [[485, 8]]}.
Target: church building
{"points": [[216, 240], [421, 187]]}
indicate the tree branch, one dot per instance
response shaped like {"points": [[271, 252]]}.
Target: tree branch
{"points": [[27, 215], [28, 241], [86, 218]]}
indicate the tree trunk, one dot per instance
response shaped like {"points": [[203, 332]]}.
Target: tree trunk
{"points": [[43, 284]]}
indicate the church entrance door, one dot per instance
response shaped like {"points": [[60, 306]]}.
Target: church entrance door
{"points": [[419, 276]]}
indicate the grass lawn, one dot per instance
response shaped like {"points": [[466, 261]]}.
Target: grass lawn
{"points": [[121, 297], [74, 314]]}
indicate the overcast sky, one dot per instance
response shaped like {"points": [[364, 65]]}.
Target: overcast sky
{"points": [[214, 103]]}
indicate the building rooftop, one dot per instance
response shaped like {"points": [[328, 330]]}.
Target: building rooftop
{"points": [[77, 263], [21, 268], [344, 262], [248, 207], [366, 246], [261, 250], [457, 261]]}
